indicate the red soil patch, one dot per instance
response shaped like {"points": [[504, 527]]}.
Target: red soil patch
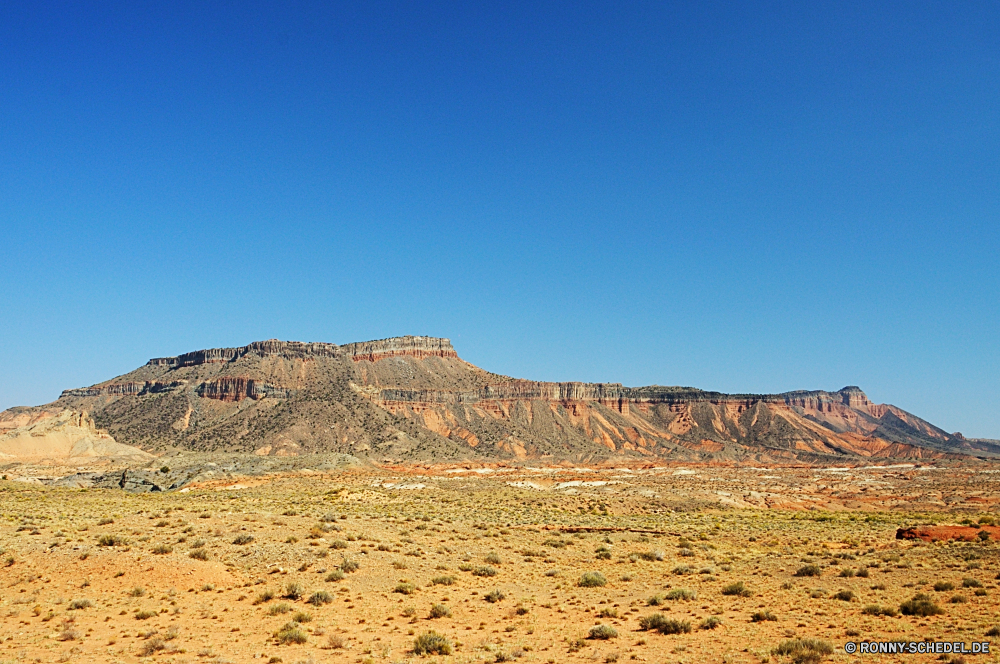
{"points": [[944, 533]]}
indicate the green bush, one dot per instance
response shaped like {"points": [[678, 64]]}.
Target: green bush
{"points": [[440, 611], [431, 643], [494, 596], [762, 616], [710, 623], [920, 605], [592, 580], [279, 609], [682, 593], [660, 623], [320, 597], [602, 632], [293, 591], [737, 589], [290, 633], [804, 650], [264, 596]]}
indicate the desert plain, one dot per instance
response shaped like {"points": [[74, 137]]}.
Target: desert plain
{"points": [[493, 563]]}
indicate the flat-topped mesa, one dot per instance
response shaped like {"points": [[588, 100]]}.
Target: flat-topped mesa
{"points": [[850, 396], [418, 347], [270, 347]]}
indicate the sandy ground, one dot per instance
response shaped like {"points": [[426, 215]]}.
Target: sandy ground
{"points": [[103, 576]]}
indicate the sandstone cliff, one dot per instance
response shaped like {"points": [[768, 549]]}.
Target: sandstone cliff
{"points": [[65, 438], [409, 398]]}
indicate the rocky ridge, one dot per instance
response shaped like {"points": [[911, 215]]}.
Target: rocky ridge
{"points": [[412, 398]]}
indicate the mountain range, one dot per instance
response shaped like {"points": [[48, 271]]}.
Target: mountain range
{"points": [[413, 399]]}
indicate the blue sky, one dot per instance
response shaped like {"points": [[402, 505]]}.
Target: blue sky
{"points": [[752, 197]]}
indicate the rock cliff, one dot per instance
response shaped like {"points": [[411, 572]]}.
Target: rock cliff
{"points": [[65, 438]]}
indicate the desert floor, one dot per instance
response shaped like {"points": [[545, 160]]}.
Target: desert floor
{"points": [[355, 566]]}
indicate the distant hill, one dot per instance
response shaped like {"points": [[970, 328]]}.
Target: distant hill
{"points": [[413, 399]]}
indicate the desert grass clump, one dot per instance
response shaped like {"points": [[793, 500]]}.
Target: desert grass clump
{"points": [[652, 556], [737, 589], [335, 575], [290, 633], [710, 623], [494, 596], [80, 604], [348, 565], [198, 554], [440, 611], [138, 591], [682, 594], [493, 558], [405, 588], [151, 647], [844, 595], [971, 583], [161, 549], [431, 643], [279, 609], [602, 632], [592, 580], [338, 544], [608, 612], [264, 596], [302, 617], [484, 570], [920, 605], [144, 615], [804, 650], [111, 540], [681, 570], [762, 616], [243, 538], [944, 586], [443, 580], [658, 622], [320, 597], [958, 599], [293, 591], [809, 570]]}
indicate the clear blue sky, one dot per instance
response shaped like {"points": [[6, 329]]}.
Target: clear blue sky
{"points": [[753, 197]]}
